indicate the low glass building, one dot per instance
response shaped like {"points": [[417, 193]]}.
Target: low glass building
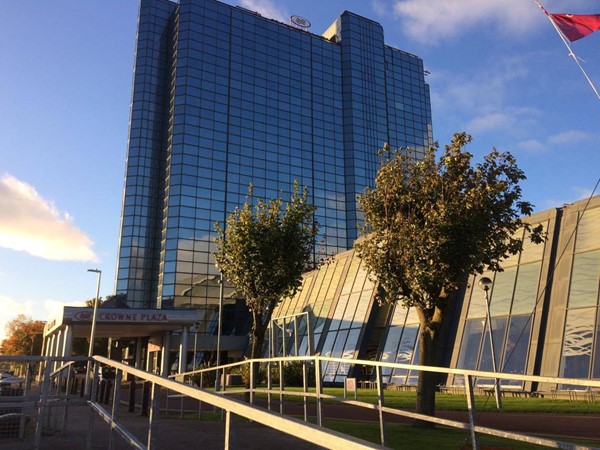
{"points": [[544, 309]]}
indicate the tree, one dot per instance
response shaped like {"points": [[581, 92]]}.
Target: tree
{"points": [[24, 337], [429, 224], [264, 250]]}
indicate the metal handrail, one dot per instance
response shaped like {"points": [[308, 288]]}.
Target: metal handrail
{"points": [[306, 431], [468, 375], [436, 369]]}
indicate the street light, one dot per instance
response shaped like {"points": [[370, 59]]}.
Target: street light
{"points": [[486, 284], [219, 325], [196, 326], [92, 332]]}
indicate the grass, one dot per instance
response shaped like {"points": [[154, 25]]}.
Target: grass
{"points": [[448, 402], [407, 437]]}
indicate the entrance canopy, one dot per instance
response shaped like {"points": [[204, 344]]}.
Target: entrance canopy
{"points": [[120, 322]]}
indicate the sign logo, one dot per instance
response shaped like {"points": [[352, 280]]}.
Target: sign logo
{"points": [[82, 316], [300, 22]]}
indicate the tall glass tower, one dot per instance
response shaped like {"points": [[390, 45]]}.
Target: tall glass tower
{"points": [[222, 98]]}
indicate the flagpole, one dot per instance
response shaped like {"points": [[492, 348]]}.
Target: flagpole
{"points": [[571, 53]]}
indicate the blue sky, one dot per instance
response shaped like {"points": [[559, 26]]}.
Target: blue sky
{"points": [[497, 68]]}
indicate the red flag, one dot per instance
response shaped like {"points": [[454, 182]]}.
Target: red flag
{"points": [[576, 26]]}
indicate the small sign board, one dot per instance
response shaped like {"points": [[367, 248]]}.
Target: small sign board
{"points": [[349, 386]]}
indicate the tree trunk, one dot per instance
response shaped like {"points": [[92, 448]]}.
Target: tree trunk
{"points": [[427, 380], [428, 337], [258, 339]]}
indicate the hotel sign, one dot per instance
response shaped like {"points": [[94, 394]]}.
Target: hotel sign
{"points": [[113, 316]]}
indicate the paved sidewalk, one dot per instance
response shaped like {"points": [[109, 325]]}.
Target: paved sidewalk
{"points": [[173, 433]]}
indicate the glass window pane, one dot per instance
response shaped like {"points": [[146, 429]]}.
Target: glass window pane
{"points": [[584, 280], [577, 344], [526, 289], [517, 345], [406, 352], [469, 351], [498, 332], [502, 292], [596, 371], [532, 252], [588, 230], [477, 305]]}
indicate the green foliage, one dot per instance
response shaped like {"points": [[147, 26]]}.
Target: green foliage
{"points": [[430, 223], [244, 370], [208, 378], [264, 249], [24, 337], [292, 374]]}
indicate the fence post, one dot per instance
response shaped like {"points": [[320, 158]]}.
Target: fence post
{"points": [[319, 391], [269, 385], [281, 387], [115, 406], [227, 442], [252, 381], [305, 389], [43, 400], [472, 412], [93, 399], [153, 416], [380, 405], [67, 392]]}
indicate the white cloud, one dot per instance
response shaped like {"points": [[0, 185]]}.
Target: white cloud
{"points": [[568, 137], [380, 7], [578, 193], [44, 310], [31, 224], [480, 90], [532, 146], [11, 309], [480, 101], [266, 8], [564, 138], [490, 121], [433, 20], [512, 120]]}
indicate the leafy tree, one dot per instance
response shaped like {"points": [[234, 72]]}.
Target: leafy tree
{"points": [[431, 223], [263, 250], [24, 336]]}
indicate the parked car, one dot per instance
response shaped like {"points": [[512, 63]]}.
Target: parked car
{"points": [[11, 380]]}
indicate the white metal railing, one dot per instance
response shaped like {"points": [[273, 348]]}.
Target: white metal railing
{"points": [[468, 377], [306, 431], [46, 400], [51, 397]]}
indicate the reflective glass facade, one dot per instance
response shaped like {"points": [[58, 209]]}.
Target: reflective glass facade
{"points": [[224, 98], [339, 300], [544, 311]]}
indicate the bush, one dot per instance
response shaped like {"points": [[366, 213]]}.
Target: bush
{"points": [[244, 371], [292, 374], [208, 378]]}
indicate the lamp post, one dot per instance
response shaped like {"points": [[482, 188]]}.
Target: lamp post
{"points": [[486, 284], [196, 325], [219, 324], [92, 332]]}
